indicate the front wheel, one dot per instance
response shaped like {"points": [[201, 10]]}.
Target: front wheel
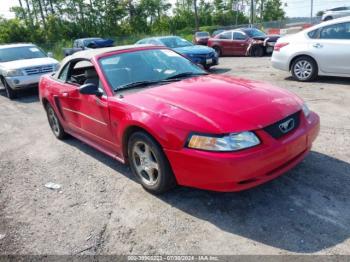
{"points": [[217, 50], [149, 163], [304, 69], [54, 123], [10, 93]]}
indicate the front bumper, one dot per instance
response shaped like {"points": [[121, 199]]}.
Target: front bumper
{"points": [[205, 61], [23, 82], [244, 169]]}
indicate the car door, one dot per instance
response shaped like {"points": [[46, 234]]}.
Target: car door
{"points": [[225, 42], [331, 49], [87, 115], [239, 43]]}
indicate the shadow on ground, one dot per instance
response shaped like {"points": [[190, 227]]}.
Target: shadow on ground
{"points": [[305, 211], [215, 70], [25, 96], [327, 80]]}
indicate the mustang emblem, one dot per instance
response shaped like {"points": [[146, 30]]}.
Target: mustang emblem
{"points": [[286, 126]]}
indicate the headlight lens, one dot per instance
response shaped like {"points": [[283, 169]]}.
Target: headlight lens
{"points": [[231, 142], [306, 110], [14, 72]]}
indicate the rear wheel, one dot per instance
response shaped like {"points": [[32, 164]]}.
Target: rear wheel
{"points": [[54, 123], [10, 93], [304, 69], [328, 18], [149, 163]]}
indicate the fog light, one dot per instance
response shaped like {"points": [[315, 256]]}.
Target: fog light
{"points": [[16, 81]]}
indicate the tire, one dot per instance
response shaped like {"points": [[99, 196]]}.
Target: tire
{"points": [[217, 50], [149, 163], [54, 122], [328, 18], [10, 93], [304, 69], [206, 67], [257, 51]]}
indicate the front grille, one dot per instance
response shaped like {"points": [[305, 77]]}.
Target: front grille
{"points": [[284, 126], [39, 70], [205, 56]]}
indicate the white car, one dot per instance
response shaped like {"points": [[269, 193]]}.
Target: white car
{"points": [[336, 13], [22, 65], [323, 49]]}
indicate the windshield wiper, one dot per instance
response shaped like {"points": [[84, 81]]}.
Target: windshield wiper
{"points": [[143, 84], [185, 74]]}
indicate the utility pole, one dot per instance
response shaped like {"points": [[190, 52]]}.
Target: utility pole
{"points": [[312, 11], [251, 13]]}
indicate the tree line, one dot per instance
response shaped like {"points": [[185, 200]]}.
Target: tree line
{"points": [[42, 21]]}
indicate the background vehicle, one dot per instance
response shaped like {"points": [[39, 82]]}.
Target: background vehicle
{"points": [[198, 54], [173, 122], [201, 38], [243, 41], [336, 13], [22, 65], [319, 50], [87, 43]]}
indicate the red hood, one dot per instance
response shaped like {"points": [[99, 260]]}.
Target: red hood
{"points": [[216, 103]]}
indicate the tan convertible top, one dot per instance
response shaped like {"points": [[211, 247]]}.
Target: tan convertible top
{"points": [[88, 54]]}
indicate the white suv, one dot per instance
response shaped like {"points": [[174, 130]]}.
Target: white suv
{"points": [[323, 49], [336, 13], [22, 65]]}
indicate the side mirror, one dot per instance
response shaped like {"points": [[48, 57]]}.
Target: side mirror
{"points": [[90, 89], [50, 54]]}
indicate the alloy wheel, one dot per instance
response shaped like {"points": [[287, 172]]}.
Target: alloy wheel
{"points": [[146, 163], [53, 121], [303, 69]]}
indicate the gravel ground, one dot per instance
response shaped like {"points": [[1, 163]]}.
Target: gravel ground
{"points": [[100, 209]]}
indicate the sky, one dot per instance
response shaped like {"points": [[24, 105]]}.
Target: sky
{"points": [[295, 8]]}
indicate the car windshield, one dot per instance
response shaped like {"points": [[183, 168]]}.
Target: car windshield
{"points": [[18, 53], [254, 32], [202, 34], [174, 42], [148, 66]]}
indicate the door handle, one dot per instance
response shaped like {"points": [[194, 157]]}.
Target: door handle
{"points": [[318, 45]]}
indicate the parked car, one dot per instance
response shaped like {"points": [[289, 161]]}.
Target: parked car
{"points": [[173, 122], [88, 43], [21, 66], [201, 38], [198, 54], [319, 50], [242, 42], [336, 13]]}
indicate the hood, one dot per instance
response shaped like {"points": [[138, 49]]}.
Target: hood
{"points": [[24, 63], [220, 104], [194, 49]]}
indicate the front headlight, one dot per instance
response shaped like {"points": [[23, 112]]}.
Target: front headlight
{"points": [[14, 72], [230, 142], [306, 110]]}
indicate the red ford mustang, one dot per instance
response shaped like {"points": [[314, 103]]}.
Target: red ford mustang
{"points": [[173, 122]]}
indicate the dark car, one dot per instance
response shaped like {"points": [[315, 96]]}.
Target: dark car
{"points": [[88, 43], [198, 54], [243, 42], [201, 38]]}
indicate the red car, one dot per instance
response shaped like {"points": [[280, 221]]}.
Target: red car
{"points": [[201, 38], [173, 122], [243, 42]]}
